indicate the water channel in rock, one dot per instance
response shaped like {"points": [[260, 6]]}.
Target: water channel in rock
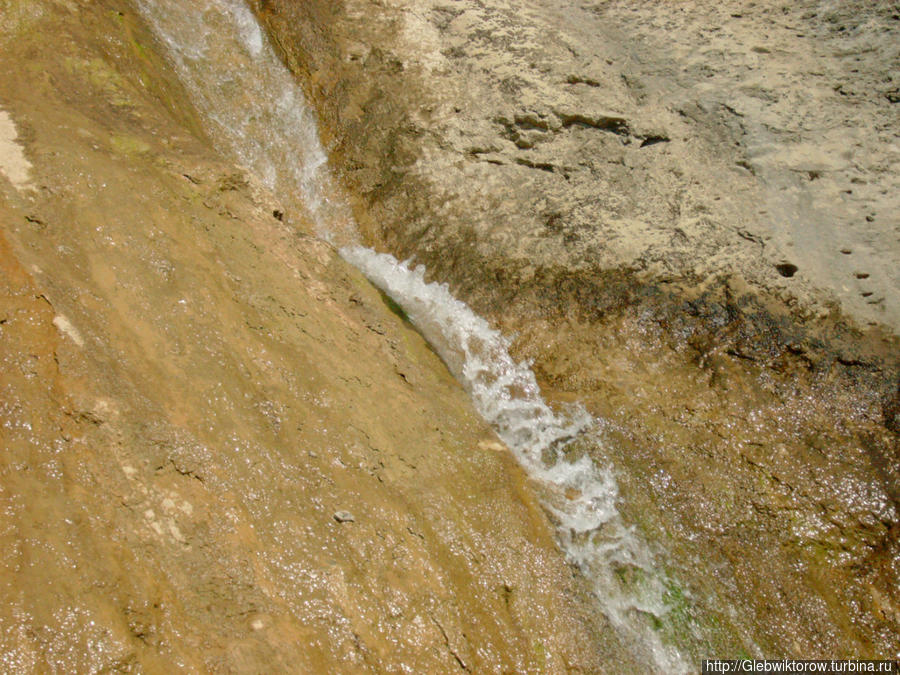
{"points": [[256, 112]]}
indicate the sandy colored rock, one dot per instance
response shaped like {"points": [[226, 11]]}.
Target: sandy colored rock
{"points": [[687, 213], [189, 392], [13, 163]]}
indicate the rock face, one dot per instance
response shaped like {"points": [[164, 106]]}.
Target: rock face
{"points": [[687, 212], [220, 450], [691, 141]]}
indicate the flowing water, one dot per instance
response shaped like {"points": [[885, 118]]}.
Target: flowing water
{"points": [[254, 109]]}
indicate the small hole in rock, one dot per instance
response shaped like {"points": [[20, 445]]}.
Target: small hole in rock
{"points": [[278, 214], [786, 269], [862, 275], [846, 251]]}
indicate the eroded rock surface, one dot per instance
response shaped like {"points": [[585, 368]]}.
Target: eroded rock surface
{"points": [[220, 450], [687, 212]]}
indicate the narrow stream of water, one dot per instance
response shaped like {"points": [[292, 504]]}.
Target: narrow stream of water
{"points": [[256, 112]]}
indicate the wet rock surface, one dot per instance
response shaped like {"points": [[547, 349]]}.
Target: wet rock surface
{"points": [[691, 228], [221, 450]]}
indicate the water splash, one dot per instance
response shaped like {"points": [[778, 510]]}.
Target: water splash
{"points": [[258, 114], [580, 495], [505, 393]]}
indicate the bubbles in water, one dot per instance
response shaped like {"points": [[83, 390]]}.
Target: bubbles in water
{"points": [[505, 393]]}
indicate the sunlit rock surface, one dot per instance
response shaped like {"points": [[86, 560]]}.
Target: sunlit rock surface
{"points": [[220, 449], [687, 214]]}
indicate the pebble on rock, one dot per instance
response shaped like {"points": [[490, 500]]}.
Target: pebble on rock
{"points": [[344, 517]]}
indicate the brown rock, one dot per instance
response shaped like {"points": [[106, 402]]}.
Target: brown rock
{"points": [[666, 233], [187, 395]]}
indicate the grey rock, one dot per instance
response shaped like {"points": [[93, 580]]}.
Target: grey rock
{"points": [[344, 517]]}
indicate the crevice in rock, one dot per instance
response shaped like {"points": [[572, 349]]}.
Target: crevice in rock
{"points": [[578, 79], [543, 166], [612, 123], [453, 652], [653, 140]]}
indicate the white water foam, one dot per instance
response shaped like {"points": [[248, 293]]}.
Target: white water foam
{"points": [[505, 393], [258, 113], [581, 496]]}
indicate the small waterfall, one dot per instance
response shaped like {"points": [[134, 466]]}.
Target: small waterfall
{"points": [[257, 113], [505, 393], [251, 104], [580, 495]]}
